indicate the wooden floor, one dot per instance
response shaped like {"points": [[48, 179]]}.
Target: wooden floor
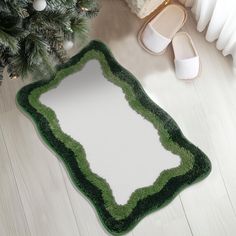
{"points": [[36, 195]]}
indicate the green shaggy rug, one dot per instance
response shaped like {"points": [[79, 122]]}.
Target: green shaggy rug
{"points": [[116, 218]]}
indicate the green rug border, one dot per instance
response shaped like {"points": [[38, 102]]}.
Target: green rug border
{"points": [[117, 211], [116, 218]]}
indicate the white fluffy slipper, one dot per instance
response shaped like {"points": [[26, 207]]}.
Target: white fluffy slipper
{"points": [[157, 33], [187, 63]]}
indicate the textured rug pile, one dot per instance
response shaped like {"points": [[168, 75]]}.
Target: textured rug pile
{"points": [[116, 218]]}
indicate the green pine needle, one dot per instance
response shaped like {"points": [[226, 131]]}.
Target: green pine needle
{"points": [[7, 40], [32, 41]]}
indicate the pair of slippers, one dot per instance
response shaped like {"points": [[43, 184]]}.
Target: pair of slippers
{"points": [[161, 30]]}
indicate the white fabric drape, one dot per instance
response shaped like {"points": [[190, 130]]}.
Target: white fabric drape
{"points": [[218, 17]]}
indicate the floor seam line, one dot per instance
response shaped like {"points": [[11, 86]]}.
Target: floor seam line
{"points": [[185, 215], [221, 175], [17, 187]]}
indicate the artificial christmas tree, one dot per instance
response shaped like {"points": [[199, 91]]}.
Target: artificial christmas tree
{"points": [[35, 34]]}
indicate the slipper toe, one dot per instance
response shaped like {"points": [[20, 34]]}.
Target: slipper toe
{"points": [[187, 62], [153, 40], [188, 68]]}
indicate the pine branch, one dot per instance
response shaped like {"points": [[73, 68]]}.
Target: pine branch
{"points": [[18, 8], [1, 72], [59, 19], [32, 41], [8, 41], [80, 29], [55, 41], [30, 56], [86, 8]]}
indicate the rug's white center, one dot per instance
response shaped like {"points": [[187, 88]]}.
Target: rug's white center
{"points": [[121, 146]]}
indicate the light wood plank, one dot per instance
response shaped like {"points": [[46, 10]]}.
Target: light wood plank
{"points": [[209, 125], [8, 91], [12, 215], [39, 179]]}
